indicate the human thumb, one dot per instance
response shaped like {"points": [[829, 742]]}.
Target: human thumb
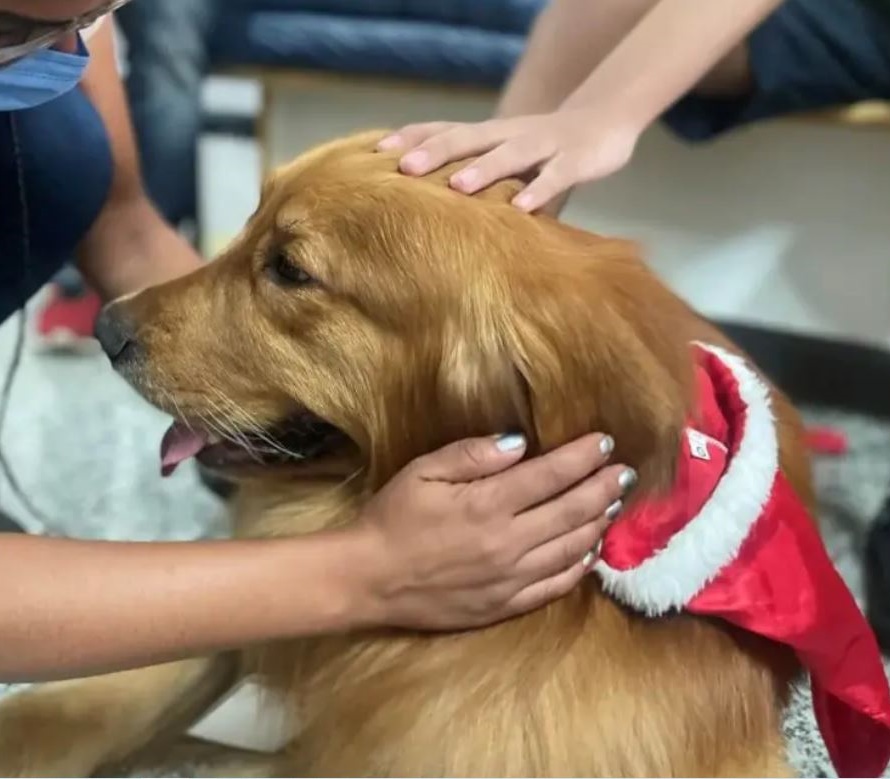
{"points": [[473, 458]]}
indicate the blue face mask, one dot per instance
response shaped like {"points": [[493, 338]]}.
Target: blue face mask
{"points": [[40, 77]]}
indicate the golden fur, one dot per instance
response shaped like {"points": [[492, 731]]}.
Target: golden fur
{"points": [[437, 316]]}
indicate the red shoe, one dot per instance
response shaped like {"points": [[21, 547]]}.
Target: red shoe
{"points": [[65, 322], [827, 441]]}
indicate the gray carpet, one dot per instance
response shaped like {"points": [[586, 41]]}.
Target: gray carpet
{"points": [[85, 449]]}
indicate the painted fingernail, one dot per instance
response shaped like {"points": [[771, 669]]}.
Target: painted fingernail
{"points": [[510, 442], [607, 445], [614, 510], [416, 161], [589, 560], [627, 479], [390, 142], [465, 178]]}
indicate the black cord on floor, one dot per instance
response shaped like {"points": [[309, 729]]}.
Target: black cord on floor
{"points": [[19, 348]]}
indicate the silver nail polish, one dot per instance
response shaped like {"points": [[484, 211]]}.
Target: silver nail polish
{"points": [[607, 445], [614, 510], [510, 442], [588, 559], [627, 479]]}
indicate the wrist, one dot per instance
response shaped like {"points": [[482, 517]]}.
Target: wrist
{"points": [[620, 117], [356, 581]]}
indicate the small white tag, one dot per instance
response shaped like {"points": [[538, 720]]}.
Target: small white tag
{"points": [[250, 717], [698, 445]]}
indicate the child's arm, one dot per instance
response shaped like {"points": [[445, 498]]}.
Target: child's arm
{"points": [[594, 132]]}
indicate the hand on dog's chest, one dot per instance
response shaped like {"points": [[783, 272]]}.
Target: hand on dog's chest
{"points": [[249, 717]]}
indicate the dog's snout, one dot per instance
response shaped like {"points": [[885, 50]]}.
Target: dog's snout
{"points": [[116, 334]]}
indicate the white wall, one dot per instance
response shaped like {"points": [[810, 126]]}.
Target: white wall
{"points": [[785, 224]]}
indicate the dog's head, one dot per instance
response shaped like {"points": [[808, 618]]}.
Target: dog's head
{"points": [[364, 317]]}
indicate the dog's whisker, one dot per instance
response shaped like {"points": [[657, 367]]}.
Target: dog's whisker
{"points": [[250, 426], [229, 431], [245, 431]]}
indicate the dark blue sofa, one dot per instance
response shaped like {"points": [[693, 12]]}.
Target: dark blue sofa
{"points": [[457, 41]]}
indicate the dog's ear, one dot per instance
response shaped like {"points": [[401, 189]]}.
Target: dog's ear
{"points": [[589, 331], [477, 390]]}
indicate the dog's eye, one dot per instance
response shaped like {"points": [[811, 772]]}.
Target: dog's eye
{"points": [[284, 271]]}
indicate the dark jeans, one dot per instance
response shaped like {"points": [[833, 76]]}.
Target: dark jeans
{"points": [[809, 54], [167, 51], [167, 44]]}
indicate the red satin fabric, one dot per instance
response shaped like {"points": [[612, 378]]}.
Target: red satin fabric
{"points": [[781, 585]]}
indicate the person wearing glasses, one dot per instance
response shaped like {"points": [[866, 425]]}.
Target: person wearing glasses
{"points": [[464, 536]]}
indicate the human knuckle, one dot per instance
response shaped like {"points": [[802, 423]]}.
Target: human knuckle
{"points": [[568, 581], [592, 499], [450, 141], [568, 165], [593, 532], [584, 165], [550, 171], [419, 131], [439, 127], [584, 460], [512, 150], [573, 549], [488, 602], [494, 552], [471, 451], [549, 591], [493, 128], [576, 512], [548, 474], [477, 502], [415, 469], [493, 163], [531, 146]]}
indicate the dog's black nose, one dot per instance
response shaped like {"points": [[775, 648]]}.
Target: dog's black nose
{"points": [[115, 333]]}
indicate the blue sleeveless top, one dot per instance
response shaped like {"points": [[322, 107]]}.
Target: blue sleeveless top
{"points": [[55, 175]]}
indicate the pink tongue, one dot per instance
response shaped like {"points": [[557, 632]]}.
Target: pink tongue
{"points": [[180, 443]]}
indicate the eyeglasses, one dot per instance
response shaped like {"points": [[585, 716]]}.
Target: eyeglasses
{"points": [[21, 35]]}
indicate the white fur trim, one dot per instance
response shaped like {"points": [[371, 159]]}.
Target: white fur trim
{"points": [[709, 541]]}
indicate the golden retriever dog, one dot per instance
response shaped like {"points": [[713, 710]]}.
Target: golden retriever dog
{"points": [[361, 319]]}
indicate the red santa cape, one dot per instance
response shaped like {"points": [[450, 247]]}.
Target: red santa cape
{"points": [[732, 540]]}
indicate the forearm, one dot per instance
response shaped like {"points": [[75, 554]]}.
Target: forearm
{"points": [[665, 55], [568, 40], [131, 247], [73, 608]]}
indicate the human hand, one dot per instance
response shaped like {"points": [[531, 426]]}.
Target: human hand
{"points": [[556, 150], [465, 537]]}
